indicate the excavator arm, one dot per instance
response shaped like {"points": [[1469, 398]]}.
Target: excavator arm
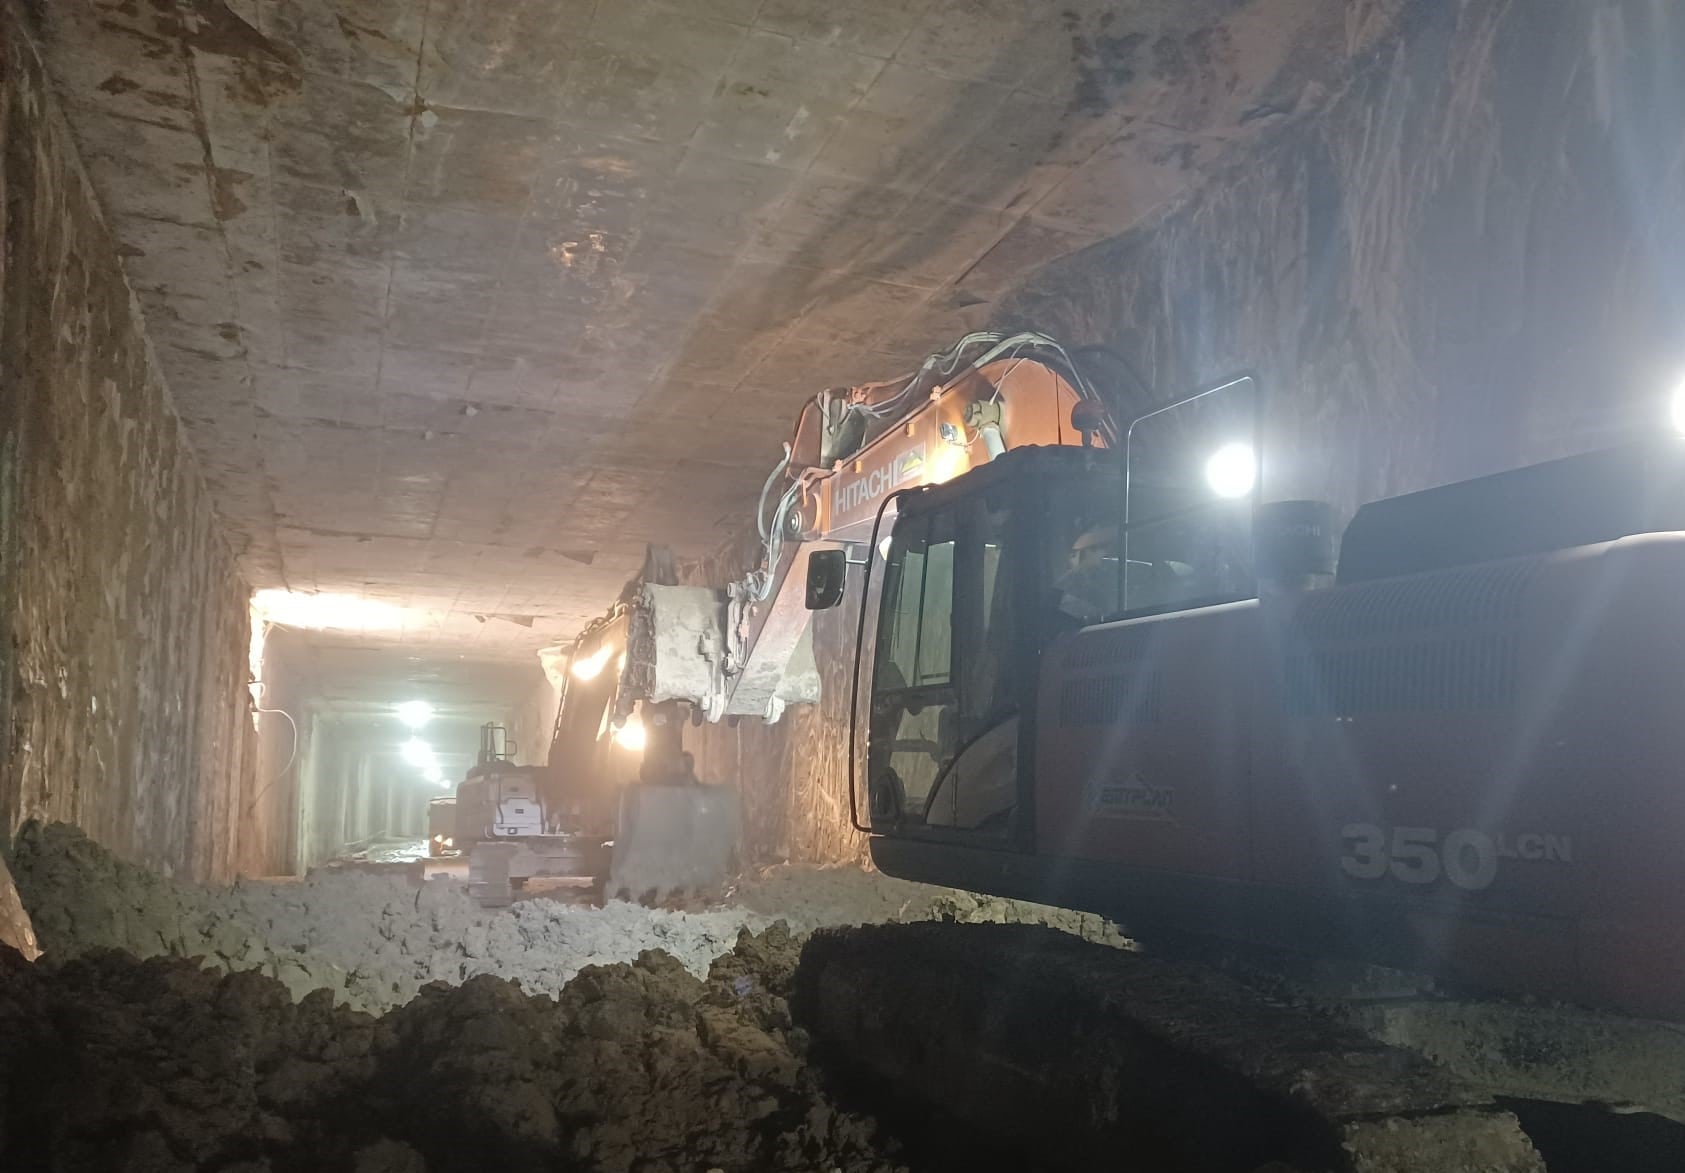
{"points": [[746, 650], [960, 409]]}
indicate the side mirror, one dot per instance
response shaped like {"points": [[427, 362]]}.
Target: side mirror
{"points": [[1088, 416], [827, 576]]}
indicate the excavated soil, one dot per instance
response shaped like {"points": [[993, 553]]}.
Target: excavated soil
{"points": [[363, 1022], [375, 939], [108, 1062]]}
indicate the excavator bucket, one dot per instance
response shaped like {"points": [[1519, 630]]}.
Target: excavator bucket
{"points": [[672, 840]]}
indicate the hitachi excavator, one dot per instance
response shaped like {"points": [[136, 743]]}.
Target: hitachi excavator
{"points": [[1095, 668], [668, 654]]}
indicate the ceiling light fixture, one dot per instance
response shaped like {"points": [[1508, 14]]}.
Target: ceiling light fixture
{"points": [[419, 754], [325, 612], [415, 714]]}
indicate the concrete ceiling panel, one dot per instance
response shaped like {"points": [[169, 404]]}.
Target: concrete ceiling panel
{"points": [[343, 135], [508, 55], [635, 92], [873, 28], [1007, 42], [414, 370], [910, 123], [316, 223], [781, 99], [477, 159], [374, 41]]}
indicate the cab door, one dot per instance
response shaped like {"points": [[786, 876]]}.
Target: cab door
{"points": [[947, 687]]}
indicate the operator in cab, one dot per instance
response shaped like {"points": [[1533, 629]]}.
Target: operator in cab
{"points": [[1088, 588]]}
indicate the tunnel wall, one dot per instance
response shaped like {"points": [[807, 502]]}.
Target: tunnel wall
{"points": [[1470, 260], [270, 818], [123, 658]]}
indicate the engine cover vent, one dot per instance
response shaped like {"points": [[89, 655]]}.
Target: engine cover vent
{"points": [[1111, 699], [1479, 596], [1478, 672]]}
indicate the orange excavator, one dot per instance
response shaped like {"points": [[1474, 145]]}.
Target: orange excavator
{"points": [[1095, 668], [668, 653]]}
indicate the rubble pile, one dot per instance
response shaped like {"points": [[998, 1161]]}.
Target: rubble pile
{"points": [[363, 1021], [111, 1062], [373, 940]]}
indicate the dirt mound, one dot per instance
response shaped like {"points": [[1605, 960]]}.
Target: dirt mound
{"points": [[110, 1062], [375, 939]]}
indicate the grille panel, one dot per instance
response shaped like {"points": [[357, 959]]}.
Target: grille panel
{"points": [[1440, 676], [1111, 699], [1476, 596]]}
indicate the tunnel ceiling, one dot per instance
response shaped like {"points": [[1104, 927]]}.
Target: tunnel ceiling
{"points": [[464, 302]]}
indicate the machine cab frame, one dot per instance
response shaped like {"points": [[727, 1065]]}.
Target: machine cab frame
{"points": [[981, 575]]}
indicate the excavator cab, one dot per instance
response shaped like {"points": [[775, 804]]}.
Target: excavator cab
{"points": [[983, 574], [980, 573]]}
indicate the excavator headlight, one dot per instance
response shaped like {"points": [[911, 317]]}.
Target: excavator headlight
{"points": [[631, 735], [1232, 470], [588, 667]]}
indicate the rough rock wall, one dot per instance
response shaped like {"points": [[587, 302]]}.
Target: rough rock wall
{"points": [[1468, 261], [123, 657]]}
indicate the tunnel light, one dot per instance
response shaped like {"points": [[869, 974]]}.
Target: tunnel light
{"points": [[326, 612], [1232, 470], [419, 754], [592, 665], [632, 735], [883, 547], [415, 714], [1676, 408]]}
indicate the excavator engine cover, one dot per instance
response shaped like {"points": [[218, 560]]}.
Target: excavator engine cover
{"points": [[673, 839]]}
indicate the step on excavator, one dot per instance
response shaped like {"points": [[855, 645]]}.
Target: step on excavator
{"points": [[1095, 667]]}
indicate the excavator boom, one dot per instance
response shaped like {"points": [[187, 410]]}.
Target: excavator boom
{"points": [[746, 649]]}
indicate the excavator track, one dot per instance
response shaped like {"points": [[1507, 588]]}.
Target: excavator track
{"points": [[1080, 1052]]}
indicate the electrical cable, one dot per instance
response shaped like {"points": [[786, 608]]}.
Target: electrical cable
{"points": [[291, 756]]}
